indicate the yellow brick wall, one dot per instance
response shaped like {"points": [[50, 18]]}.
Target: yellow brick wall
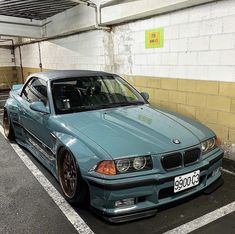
{"points": [[8, 76], [13, 75], [26, 72], [210, 102]]}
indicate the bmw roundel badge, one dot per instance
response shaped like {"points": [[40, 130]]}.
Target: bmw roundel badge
{"points": [[176, 141]]}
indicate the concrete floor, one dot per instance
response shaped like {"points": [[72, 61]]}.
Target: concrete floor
{"points": [[27, 208]]}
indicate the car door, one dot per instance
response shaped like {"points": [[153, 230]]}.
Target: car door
{"points": [[35, 124]]}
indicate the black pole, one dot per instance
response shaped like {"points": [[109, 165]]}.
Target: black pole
{"points": [[40, 56], [21, 66]]}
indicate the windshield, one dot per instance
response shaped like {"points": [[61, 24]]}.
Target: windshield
{"points": [[90, 93]]}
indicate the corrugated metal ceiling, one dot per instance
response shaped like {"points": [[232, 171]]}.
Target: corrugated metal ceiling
{"points": [[34, 9]]}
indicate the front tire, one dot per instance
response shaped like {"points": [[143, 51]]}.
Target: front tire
{"points": [[7, 126], [74, 188]]}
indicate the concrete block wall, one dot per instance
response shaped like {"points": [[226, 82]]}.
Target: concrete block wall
{"points": [[199, 44], [6, 57], [194, 73], [82, 51]]}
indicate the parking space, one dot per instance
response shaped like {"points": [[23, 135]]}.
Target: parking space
{"points": [[223, 225], [27, 207]]}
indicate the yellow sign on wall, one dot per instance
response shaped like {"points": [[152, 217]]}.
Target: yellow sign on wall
{"points": [[154, 38]]}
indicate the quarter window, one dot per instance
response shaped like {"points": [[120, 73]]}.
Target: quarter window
{"points": [[36, 90]]}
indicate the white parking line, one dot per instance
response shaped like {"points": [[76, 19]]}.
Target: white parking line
{"points": [[64, 206], [203, 220], [229, 172]]}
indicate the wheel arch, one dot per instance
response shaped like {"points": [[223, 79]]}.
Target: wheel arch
{"points": [[83, 179], [85, 157], [64, 147]]}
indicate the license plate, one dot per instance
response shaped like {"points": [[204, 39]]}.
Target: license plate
{"points": [[186, 181]]}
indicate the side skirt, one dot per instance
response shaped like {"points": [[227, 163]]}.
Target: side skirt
{"points": [[39, 150]]}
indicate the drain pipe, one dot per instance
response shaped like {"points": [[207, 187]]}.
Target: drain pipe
{"points": [[98, 19], [40, 56], [13, 50], [97, 7], [21, 66]]}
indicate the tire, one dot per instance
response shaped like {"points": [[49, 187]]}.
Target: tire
{"points": [[7, 126], [73, 186]]}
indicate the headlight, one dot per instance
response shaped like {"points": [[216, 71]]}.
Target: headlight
{"points": [[211, 143], [134, 164], [123, 165], [120, 166], [204, 146], [139, 163], [208, 145]]}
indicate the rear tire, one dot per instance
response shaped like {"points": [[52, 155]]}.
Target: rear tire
{"points": [[7, 126], [73, 186]]}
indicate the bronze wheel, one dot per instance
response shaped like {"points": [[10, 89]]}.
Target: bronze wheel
{"points": [[8, 130], [73, 186], [68, 175]]}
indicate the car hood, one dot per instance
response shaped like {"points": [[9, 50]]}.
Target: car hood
{"points": [[136, 130]]}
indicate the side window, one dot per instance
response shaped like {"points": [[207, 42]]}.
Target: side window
{"points": [[36, 90], [25, 93], [39, 88]]}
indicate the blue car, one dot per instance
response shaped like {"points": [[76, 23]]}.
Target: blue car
{"points": [[107, 145]]}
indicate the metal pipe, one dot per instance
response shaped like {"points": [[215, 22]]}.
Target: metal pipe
{"points": [[40, 57], [97, 8], [98, 18], [53, 37], [25, 24], [21, 66], [87, 3], [12, 47], [13, 50]]}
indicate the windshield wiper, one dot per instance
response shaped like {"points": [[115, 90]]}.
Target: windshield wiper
{"points": [[82, 108], [128, 103], [108, 105]]}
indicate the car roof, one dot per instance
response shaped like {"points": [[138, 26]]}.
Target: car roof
{"points": [[58, 74]]}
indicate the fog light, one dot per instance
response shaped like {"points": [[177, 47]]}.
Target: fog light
{"points": [[125, 202], [216, 171]]}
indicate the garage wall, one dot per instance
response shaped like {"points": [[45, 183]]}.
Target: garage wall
{"points": [[7, 68], [193, 74], [29, 59], [82, 51]]}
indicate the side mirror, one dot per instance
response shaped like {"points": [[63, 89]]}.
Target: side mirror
{"points": [[39, 107], [145, 95]]}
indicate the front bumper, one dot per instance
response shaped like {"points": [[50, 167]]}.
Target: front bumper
{"points": [[150, 191]]}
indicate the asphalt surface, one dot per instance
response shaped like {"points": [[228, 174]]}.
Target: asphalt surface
{"points": [[25, 207], [223, 225]]}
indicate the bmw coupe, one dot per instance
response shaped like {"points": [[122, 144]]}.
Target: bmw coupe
{"points": [[105, 143]]}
